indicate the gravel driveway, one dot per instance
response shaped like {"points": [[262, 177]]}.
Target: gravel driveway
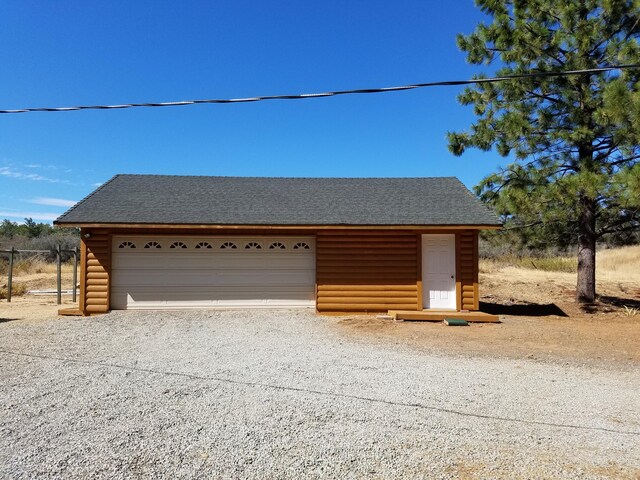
{"points": [[282, 394]]}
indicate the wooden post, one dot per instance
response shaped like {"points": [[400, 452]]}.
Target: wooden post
{"points": [[10, 279], [75, 273], [59, 273]]}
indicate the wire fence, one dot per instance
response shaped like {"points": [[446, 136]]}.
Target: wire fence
{"points": [[58, 252]]}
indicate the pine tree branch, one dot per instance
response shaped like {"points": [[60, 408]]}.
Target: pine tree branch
{"points": [[546, 97], [624, 160], [623, 229], [614, 33], [520, 227]]}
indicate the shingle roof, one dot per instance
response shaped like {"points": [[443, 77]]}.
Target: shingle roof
{"points": [[188, 200]]}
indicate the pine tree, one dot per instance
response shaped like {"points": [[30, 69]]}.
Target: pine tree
{"points": [[574, 140]]}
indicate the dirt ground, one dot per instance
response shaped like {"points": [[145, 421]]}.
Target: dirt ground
{"points": [[33, 308], [36, 307], [539, 320]]}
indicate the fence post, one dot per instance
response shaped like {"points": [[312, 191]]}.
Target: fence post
{"points": [[10, 279], [59, 272], [75, 272]]}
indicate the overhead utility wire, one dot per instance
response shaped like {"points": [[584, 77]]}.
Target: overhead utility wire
{"points": [[328, 94]]}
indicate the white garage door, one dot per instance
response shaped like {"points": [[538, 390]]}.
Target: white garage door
{"points": [[151, 272]]}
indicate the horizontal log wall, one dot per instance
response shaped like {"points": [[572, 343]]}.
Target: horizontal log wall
{"points": [[96, 269], [356, 270], [368, 271], [467, 270]]}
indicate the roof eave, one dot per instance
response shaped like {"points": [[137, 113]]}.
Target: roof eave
{"points": [[153, 226]]}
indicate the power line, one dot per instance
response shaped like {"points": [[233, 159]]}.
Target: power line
{"points": [[328, 94]]}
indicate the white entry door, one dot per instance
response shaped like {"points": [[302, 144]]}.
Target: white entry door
{"points": [[439, 271]]}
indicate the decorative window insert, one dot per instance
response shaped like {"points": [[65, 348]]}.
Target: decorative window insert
{"points": [[178, 245], [277, 246], [228, 245], [301, 246], [153, 245], [203, 245], [254, 245], [127, 245]]}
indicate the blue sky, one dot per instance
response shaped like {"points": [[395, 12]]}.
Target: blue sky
{"points": [[71, 53]]}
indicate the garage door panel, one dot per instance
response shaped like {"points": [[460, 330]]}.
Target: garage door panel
{"points": [[131, 303], [161, 261], [204, 297], [161, 278], [194, 278]]}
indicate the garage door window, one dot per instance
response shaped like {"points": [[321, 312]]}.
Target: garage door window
{"points": [[272, 247]]}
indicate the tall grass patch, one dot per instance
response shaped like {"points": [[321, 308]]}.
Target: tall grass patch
{"points": [[620, 263], [543, 263], [28, 265]]}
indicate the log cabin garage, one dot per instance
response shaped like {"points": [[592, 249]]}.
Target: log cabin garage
{"points": [[333, 244]]}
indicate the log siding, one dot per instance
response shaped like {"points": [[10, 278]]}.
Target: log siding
{"points": [[356, 270], [95, 273], [467, 297], [366, 271]]}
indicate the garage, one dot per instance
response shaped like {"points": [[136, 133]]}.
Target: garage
{"points": [[151, 272], [334, 244]]}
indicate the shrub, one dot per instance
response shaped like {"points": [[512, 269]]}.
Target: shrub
{"points": [[17, 289]]}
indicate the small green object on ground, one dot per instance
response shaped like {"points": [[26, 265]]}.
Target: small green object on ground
{"points": [[455, 322]]}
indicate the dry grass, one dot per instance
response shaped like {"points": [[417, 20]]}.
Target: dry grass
{"points": [[619, 263], [616, 264], [545, 264], [38, 275], [29, 266]]}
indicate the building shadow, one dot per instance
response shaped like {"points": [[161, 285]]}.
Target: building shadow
{"points": [[523, 309], [4, 320]]}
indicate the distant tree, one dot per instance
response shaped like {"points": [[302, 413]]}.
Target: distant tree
{"points": [[9, 229], [574, 140], [35, 230]]}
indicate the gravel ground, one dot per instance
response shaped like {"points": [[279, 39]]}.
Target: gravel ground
{"points": [[282, 394]]}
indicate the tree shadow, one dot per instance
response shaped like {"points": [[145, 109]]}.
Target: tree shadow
{"points": [[523, 309], [610, 304], [620, 302]]}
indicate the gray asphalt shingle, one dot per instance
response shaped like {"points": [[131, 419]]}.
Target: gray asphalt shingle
{"points": [[168, 199]]}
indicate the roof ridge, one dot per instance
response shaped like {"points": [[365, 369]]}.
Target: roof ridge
{"points": [[87, 197], [281, 177]]}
